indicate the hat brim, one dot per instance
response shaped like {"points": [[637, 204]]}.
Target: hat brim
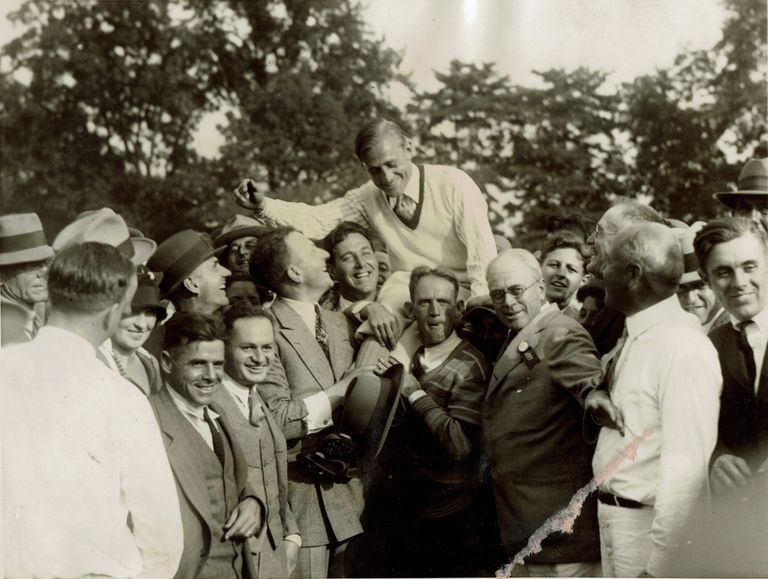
{"points": [[175, 285], [370, 407], [27, 255], [730, 198], [143, 249], [249, 231]]}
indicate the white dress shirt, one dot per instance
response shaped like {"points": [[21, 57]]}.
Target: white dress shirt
{"points": [[195, 415], [318, 405], [758, 340], [667, 381], [82, 451]]}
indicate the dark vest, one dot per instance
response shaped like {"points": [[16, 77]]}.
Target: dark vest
{"points": [[224, 557]]}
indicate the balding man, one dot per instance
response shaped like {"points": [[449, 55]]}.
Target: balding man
{"points": [[664, 379], [532, 420], [607, 325], [425, 214]]}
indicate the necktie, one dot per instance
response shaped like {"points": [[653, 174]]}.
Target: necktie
{"points": [[747, 331], [320, 334], [417, 366], [405, 208], [218, 442], [255, 409]]}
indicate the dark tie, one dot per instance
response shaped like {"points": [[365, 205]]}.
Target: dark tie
{"points": [[405, 207], [320, 334], [218, 442], [417, 366], [746, 349]]}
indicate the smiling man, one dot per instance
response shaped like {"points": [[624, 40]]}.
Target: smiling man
{"points": [[219, 508], [429, 503], [532, 421], [192, 279], [425, 214], [733, 255], [354, 266], [563, 266]]}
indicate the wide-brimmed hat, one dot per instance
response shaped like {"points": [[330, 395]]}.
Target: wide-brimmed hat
{"points": [[752, 185], [105, 226], [690, 262], [147, 295], [239, 226], [370, 406], [22, 239], [178, 256]]}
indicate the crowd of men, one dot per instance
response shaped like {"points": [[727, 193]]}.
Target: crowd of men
{"points": [[381, 387]]}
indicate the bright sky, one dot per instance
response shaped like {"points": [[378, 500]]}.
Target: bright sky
{"points": [[624, 37]]}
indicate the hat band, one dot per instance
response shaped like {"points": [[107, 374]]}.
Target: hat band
{"points": [[126, 248], [690, 262], [754, 183], [185, 265], [22, 241]]}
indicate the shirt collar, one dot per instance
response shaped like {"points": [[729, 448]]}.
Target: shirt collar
{"points": [[304, 309], [411, 188], [760, 318], [194, 412], [237, 389], [443, 348], [654, 315], [75, 344], [344, 303]]}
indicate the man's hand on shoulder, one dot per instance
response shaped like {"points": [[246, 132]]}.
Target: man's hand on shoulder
{"points": [[383, 323], [249, 196]]}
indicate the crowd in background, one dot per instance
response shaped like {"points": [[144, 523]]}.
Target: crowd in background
{"points": [[380, 386]]}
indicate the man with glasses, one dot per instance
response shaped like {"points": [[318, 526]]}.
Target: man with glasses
{"points": [[24, 259], [532, 419]]}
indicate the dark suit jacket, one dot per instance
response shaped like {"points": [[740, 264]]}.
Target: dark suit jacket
{"points": [[280, 519], [532, 422], [190, 484], [303, 371], [743, 424]]}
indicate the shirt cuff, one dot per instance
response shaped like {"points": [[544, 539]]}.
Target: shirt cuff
{"points": [[318, 412], [295, 538], [415, 395]]}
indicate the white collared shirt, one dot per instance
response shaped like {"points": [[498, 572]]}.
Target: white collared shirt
{"points": [[195, 415], [411, 188], [305, 310], [758, 340], [82, 451], [667, 384]]}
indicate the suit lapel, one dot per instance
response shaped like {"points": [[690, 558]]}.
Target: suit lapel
{"points": [[511, 357], [181, 455], [274, 429], [307, 349], [336, 337]]}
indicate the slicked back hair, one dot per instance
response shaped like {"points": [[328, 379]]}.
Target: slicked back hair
{"points": [[723, 230], [88, 277], [662, 266], [271, 258], [340, 233], [188, 327], [423, 271], [372, 132], [635, 212]]}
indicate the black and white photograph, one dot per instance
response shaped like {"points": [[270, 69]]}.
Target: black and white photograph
{"points": [[307, 289]]}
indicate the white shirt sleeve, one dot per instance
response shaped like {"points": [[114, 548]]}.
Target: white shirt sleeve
{"points": [[474, 231], [690, 404], [148, 489], [318, 412], [317, 221]]}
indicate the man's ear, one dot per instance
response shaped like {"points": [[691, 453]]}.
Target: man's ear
{"points": [[165, 361], [408, 311], [408, 146], [111, 317], [191, 285], [294, 273], [460, 305], [634, 273], [704, 278], [585, 279]]}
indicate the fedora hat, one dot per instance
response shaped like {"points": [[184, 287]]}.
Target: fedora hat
{"points": [[105, 226], [690, 263], [178, 256], [239, 226], [370, 406], [22, 239], [147, 295], [752, 185]]}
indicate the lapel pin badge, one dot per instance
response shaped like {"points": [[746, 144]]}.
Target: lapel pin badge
{"points": [[529, 356]]}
